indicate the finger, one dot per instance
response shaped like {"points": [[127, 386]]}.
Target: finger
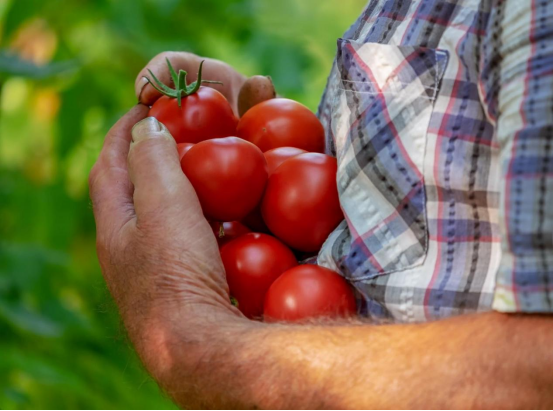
{"points": [[117, 142], [255, 90], [160, 186], [110, 186], [212, 70], [145, 93]]}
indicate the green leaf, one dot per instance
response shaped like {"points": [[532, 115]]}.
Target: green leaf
{"points": [[16, 396], [20, 317], [11, 64]]}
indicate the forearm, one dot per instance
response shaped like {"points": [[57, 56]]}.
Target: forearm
{"points": [[477, 361]]}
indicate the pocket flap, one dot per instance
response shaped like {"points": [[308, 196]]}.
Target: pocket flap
{"points": [[385, 69], [380, 120]]}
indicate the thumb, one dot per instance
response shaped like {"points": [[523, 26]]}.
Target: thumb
{"points": [[155, 171]]}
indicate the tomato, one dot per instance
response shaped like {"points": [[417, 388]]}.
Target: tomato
{"points": [[308, 291], [183, 148], [280, 122], [226, 232], [203, 115], [277, 156], [252, 262], [274, 157], [254, 221], [192, 113], [229, 176], [301, 205]]}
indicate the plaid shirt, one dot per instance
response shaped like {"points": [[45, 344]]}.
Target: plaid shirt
{"points": [[440, 113]]}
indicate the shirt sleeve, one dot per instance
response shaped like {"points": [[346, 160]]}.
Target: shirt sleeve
{"points": [[516, 84]]}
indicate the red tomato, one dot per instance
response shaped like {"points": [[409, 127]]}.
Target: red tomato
{"points": [[252, 262], [301, 205], [183, 148], [277, 156], [229, 176], [254, 221], [203, 115], [226, 232], [280, 122], [308, 291]]}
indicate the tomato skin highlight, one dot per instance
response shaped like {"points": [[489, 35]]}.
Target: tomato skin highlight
{"points": [[308, 291], [277, 156], [252, 263], [230, 229], [301, 205], [203, 115], [183, 148], [281, 122], [229, 176]]}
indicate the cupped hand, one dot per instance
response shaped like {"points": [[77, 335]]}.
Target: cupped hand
{"points": [[156, 250]]}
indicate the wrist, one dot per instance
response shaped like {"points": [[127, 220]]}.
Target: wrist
{"points": [[175, 341]]}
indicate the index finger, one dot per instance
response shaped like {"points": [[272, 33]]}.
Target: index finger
{"points": [[110, 186]]}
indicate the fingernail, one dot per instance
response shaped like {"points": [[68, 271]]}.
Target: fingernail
{"points": [[148, 128], [142, 83]]}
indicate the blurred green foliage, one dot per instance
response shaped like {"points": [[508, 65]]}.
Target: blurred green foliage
{"points": [[67, 71]]}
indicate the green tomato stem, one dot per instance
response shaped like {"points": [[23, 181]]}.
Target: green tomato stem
{"points": [[182, 89]]}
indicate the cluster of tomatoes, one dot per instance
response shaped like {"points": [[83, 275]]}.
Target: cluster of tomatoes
{"points": [[270, 194]]}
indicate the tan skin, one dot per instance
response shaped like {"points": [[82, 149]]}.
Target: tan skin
{"points": [[161, 263]]}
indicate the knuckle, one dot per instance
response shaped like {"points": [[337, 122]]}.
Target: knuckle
{"points": [[175, 57], [110, 244], [163, 55], [160, 58]]}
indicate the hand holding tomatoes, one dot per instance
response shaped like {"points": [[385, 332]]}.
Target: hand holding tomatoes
{"points": [[273, 178]]}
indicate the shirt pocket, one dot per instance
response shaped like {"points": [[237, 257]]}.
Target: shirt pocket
{"points": [[380, 117]]}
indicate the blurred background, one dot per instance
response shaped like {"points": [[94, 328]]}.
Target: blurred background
{"points": [[67, 71]]}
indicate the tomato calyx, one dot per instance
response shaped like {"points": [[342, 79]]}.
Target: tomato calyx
{"points": [[182, 89], [221, 230]]}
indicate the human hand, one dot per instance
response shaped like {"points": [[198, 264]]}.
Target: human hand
{"points": [[157, 251]]}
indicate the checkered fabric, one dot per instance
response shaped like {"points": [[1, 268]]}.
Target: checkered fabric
{"points": [[440, 114]]}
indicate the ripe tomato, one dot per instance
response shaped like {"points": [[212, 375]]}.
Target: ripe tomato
{"points": [[308, 291], [203, 115], [280, 122], [277, 156], [183, 148], [229, 176], [254, 221], [301, 205], [252, 262], [192, 113], [226, 232]]}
